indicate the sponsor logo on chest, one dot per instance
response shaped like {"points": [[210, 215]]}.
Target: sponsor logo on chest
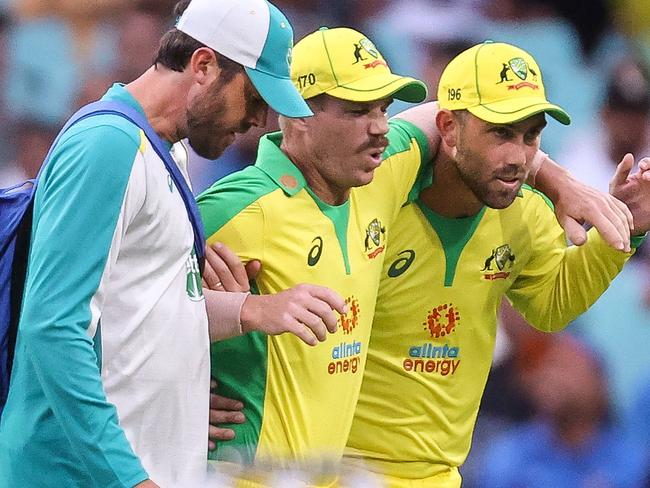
{"points": [[433, 357]]}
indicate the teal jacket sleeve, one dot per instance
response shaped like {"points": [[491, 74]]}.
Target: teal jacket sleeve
{"points": [[77, 206]]}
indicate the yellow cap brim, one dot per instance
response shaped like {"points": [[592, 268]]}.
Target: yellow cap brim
{"points": [[515, 110], [381, 86]]}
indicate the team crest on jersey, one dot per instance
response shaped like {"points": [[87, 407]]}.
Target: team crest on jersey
{"points": [[193, 285], [442, 320], [375, 239], [495, 265], [350, 320]]}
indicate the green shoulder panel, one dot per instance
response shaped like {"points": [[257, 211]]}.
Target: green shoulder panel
{"points": [[401, 135], [232, 194], [528, 188]]}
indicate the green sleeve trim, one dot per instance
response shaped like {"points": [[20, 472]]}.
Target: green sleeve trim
{"points": [[454, 235], [232, 194], [636, 241], [340, 216]]}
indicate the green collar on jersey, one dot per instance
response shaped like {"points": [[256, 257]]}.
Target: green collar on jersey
{"points": [[277, 165], [454, 234]]}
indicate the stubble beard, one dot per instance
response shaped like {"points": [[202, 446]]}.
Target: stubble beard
{"points": [[484, 189], [204, 132]]}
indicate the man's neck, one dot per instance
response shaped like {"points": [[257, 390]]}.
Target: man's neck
{"points": [[314, 178], [158, 92], [448, 195]]}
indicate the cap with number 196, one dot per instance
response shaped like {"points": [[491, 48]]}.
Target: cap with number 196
{"points": [[498, 83]]}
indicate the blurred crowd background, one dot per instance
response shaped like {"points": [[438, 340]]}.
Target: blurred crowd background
{"points": [[570, 409]]}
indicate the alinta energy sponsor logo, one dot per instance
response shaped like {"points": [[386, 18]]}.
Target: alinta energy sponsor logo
{"points": [[502, 258], [431, 358], [434, 358], [346, 358], [350, 320], [375, 239]]}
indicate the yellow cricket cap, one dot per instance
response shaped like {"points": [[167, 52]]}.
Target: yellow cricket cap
{"points": [[498, 83], [345, 64]]}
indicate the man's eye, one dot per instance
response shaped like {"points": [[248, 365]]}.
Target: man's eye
{"points": [[532, 137]]}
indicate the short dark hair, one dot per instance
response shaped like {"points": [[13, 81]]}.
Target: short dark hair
{"points": [[176, 49]]}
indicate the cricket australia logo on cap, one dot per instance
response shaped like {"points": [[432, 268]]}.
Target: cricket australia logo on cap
{"points": [[366, 46], [369, 47], [520, 68], [193, 285], [501, 258]]}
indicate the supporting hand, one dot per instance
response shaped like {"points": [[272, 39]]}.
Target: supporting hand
{"points": [[224, 270], [634, 190], [306, 311], [223, 411], [576, 203]]}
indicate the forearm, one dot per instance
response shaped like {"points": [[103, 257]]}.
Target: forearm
{"points": [[224, 313], [555, 297], [546, 175]]}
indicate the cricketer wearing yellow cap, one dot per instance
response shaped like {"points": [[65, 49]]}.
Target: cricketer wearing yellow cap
{"points": [[473, 236], [307, 212]]}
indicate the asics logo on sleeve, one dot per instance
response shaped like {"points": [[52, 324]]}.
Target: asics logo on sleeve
{"points": [[400, 265]]}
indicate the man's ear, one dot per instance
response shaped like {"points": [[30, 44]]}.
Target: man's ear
{"points": [[203, 66], [447, 125]]}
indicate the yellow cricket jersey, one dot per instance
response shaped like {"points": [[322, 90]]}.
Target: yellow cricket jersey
{"points": [[299, 400], [435, 323]]}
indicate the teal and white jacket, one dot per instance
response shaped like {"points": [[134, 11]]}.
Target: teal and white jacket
{"points": [[110, 384]]}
